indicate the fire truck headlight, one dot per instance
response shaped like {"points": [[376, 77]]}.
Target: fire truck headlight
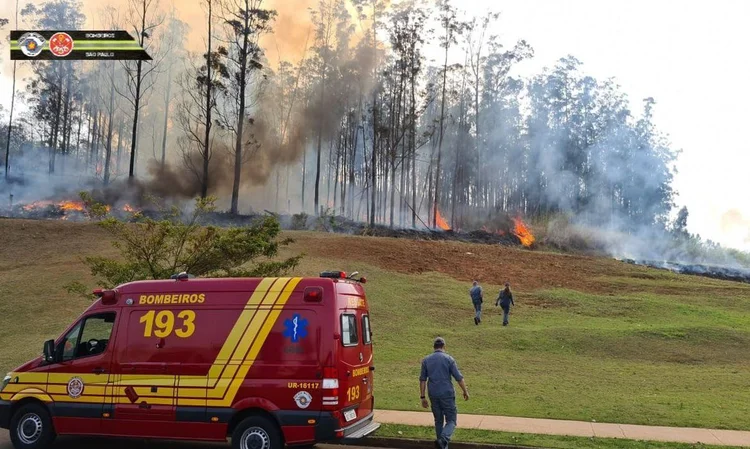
{"points": [[5, 382]]}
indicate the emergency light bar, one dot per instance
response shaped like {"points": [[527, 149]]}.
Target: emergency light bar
{"points": [[108, 297], [342, 275]]}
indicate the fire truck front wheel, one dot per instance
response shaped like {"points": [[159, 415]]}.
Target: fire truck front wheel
{"points": [[256, 432], [31, 427]]}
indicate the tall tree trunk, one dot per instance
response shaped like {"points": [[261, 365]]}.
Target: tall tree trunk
{"points": [[65, 127], [440, 142], [78, 138], [137, 106], [459, 143], [207, 140], [167, 99], [304, 173], [55, 130], [276, 202], [413, 152], [320, 141], [90, 139], [477, 124], [119, 147], [374, 113], [134, 136], [336, 175], [97, 139], [241, 115], [110, 126], [373, 163], [328, 176]]}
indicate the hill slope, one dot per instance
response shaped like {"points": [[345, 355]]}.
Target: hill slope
{"points": [[590, 338]]}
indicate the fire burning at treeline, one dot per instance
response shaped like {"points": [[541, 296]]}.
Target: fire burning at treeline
{"points": [[63, 210], [518, 233]]}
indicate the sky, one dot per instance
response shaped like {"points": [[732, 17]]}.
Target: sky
{"points": [[692, 57]]}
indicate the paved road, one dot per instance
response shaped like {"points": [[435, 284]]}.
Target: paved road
{"points": [[101, 443]]}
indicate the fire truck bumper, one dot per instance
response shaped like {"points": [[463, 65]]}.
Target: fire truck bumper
{"points": [[4, 414], [328, 429]]}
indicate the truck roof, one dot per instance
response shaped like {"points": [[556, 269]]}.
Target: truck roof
{"points": [[211, 284]]}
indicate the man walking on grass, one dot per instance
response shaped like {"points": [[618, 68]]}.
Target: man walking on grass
{"points": [[437, 370], [477, 297]]}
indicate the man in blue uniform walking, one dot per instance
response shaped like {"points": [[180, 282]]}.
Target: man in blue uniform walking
{"points": [[437, 370], [477, 297]]}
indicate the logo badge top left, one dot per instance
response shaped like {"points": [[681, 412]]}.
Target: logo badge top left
{"points": [[31, 44]]}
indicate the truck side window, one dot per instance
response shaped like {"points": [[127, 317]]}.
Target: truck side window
{"points": [[366, 333], [90, 337], [349, 335], [70, 343]]}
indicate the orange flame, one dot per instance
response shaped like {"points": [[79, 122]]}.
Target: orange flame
{"points": [[71, 205], [37, 205], [440, 221], [129, 208], [523, 232], [64, 205]]}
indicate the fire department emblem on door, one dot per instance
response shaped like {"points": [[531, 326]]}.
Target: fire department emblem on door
{"points": [[75, 387], [302, 399]]}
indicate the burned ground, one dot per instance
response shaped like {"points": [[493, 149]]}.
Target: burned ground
{"points": [[525, 269]]}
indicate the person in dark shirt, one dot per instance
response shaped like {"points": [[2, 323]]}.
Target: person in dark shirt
{"points": [[437, 370], [505, 300], [477, 297]]}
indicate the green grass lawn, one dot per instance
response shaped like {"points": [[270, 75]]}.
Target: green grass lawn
{"points": [[637, 346], [636, 358], [529, 440]]}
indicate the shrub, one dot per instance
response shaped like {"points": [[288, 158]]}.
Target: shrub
{"points": [[177, 242]]}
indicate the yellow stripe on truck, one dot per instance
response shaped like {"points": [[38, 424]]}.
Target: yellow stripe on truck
{"points": [[250, 358], [31, 393], [249, 340], [237, 332]]}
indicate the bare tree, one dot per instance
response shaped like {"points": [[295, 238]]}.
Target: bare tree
{"points": [[143, 18], [477, 39], [452, 27], [111, 17], [246, 21], [200, 85], [173, 50]]}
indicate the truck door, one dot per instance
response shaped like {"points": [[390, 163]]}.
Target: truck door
{"points": [[355, 356], [145, 389], [78, 380]]}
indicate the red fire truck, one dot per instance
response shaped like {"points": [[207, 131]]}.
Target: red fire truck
{"points": [[266, 362]]}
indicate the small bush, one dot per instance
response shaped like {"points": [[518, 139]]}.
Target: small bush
{"points": [[177, 242], [299, 221]]}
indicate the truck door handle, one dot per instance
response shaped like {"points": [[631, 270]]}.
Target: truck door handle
{"points": [[144, 405], [98, 371]]}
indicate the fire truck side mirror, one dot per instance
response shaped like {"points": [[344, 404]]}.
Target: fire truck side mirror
{"points": [[49, 351]]}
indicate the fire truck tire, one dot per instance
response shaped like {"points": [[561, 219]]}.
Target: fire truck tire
{"points": [[31, 427], [257, 432]]}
